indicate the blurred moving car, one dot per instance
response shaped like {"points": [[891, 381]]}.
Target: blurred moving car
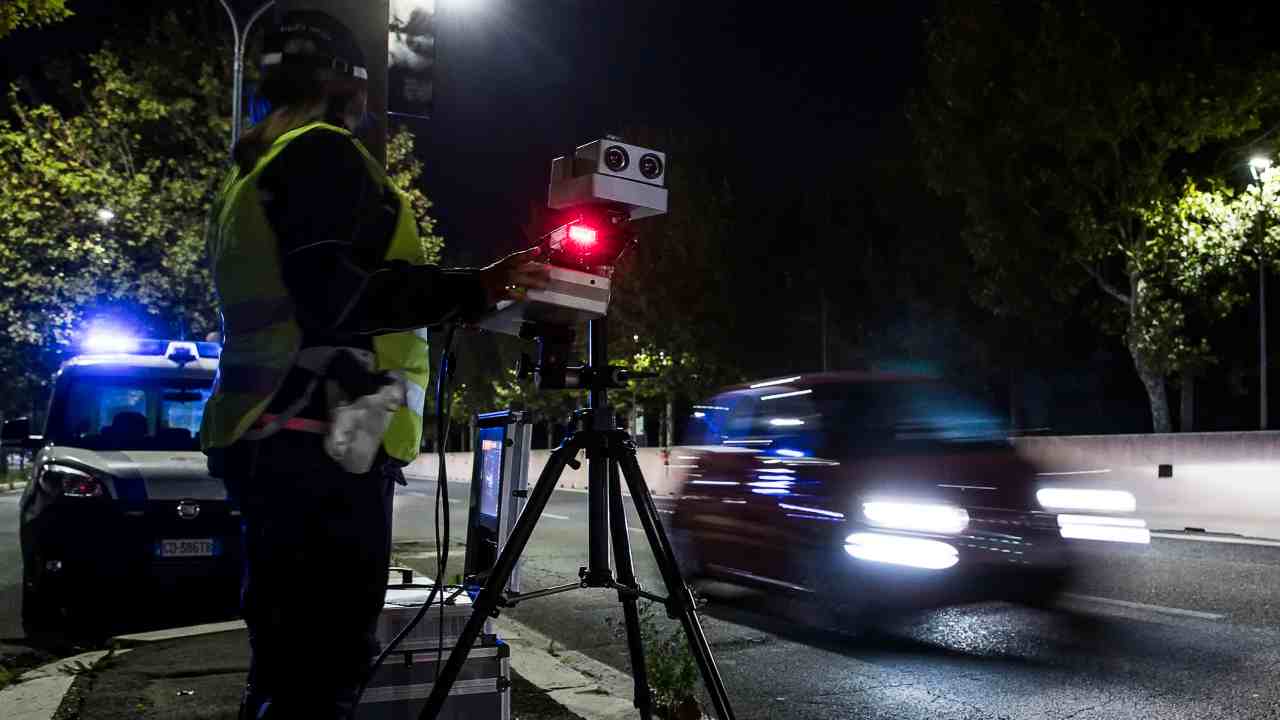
{"points": [[120, 514], [877, 493]]}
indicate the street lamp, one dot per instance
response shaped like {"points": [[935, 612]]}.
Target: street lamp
{"points": [[105, 215], [1258, 166], [240, 37]]}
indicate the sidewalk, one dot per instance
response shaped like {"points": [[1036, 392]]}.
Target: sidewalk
{"points": [[177, 674]]}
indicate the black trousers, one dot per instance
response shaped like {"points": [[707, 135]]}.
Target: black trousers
{"points": [[317, 545]]}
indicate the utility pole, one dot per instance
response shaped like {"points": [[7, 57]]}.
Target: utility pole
{"points": [[1258, 166], [1262, 322]]}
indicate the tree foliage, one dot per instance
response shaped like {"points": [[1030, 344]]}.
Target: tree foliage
{"points": [[673, 309], [17, 14], [105, 192], [1076, 151]]}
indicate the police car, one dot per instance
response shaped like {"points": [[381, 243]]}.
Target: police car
{"points": [[121, 518]]}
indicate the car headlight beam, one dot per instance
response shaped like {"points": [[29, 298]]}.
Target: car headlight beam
{"points": [[922, 517], [1086, 499]]}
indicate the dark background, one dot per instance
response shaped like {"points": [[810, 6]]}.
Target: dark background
{"points": [[799, 99]]}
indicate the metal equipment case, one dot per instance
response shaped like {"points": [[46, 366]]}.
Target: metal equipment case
{"points": [[400, 688]]}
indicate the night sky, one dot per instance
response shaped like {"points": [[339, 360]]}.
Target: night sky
{"points": [[795, 89], [522, 82]]}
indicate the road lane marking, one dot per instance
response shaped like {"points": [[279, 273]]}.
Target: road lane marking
{"points": [[1144, 606], [1102, 471], [553, 516], [1223, 539]]}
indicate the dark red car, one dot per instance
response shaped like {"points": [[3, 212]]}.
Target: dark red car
{"points": [[871, 492]]}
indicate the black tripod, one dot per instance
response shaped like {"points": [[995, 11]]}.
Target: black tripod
{"points": [[610, 453]]}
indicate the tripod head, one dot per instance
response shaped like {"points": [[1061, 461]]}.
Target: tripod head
{"points": [[550, 367]]}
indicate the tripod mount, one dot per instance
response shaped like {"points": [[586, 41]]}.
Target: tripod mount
{"points": [[611, 460]]}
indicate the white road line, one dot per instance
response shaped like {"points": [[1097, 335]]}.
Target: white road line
{"points": [[1144, 606], [553, 516], [1102, 471], [666, 512], [1224, 539], [636, 530]]}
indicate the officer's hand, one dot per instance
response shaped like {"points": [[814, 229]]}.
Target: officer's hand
{"points": [[512, 276]]}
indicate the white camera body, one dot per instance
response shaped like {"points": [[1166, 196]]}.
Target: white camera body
{"points": [[611, 172], [571, 297]]}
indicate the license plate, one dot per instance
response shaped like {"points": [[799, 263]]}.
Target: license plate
{"points": [[197, 547]]}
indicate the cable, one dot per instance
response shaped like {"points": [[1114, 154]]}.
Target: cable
{"points": [[442, 426], [444, 403]]}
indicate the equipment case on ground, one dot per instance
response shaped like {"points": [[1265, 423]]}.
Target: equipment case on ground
{"points": [[400, 688]]}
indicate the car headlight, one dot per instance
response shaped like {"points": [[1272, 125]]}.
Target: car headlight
{"points": [[1086, 499], [901, 550], [924, 517], [69, 481]]}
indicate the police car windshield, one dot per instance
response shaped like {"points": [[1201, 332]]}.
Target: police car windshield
{"points": [[107, 413]]}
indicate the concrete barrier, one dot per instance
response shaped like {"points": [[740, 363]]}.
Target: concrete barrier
{"points": [[653, 464], [1216, 482], [1220, 482]]}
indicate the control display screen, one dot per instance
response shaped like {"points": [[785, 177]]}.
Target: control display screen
{"points": [[490, 445]]}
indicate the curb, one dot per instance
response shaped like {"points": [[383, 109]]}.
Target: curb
{"points": [[156, 636], [39, 692], [583, 685]]}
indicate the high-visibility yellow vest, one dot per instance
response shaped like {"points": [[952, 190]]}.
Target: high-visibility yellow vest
{"points": [[261, 336]]}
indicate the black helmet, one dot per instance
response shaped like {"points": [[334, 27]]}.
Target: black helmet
{"points": [[310, 38]]}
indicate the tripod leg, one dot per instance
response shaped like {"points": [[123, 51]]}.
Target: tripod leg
{"points": [[627, 578], [681, 598], [486, 603]]}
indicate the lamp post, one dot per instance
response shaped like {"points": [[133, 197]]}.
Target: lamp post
{"points": [[1258, 165], [240, 37]]}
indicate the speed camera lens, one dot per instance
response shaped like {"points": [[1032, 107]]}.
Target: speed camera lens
{"points": [[651, 166], [616, 158]]}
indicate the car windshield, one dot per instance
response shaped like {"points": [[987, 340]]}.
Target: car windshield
{"points": [[100, 413], [911, 411]]}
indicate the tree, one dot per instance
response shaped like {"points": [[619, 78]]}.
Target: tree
{"points": [[1073, 149], [105, 192], [549, 406], [673, 308], [16, 14]]}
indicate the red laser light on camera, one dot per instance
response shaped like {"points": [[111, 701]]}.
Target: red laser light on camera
{"points": [[583, 236]]}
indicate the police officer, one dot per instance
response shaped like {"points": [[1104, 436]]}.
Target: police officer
{"points": [[324, 292]]}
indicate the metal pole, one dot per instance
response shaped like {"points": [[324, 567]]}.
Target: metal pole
{"points": [[1262, 323], [237, 63], [601, 420], [236, 71]]}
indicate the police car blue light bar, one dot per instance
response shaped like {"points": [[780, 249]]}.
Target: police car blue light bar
{"points": [[110, 343]]}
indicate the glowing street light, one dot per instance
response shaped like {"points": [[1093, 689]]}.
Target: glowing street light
{"points": [[1258, 164], [105, 215]]}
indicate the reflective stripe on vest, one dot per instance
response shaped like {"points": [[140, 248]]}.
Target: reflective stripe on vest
{"points": [[260, 331]]}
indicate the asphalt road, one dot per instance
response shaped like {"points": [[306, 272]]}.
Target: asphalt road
{"points": [[1182, 629]]}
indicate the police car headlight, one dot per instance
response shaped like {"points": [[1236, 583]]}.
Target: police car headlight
{"points": [[70, 482]]}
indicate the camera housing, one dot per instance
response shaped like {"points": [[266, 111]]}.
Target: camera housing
{"points": [[603, 185], [612, 173]]}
